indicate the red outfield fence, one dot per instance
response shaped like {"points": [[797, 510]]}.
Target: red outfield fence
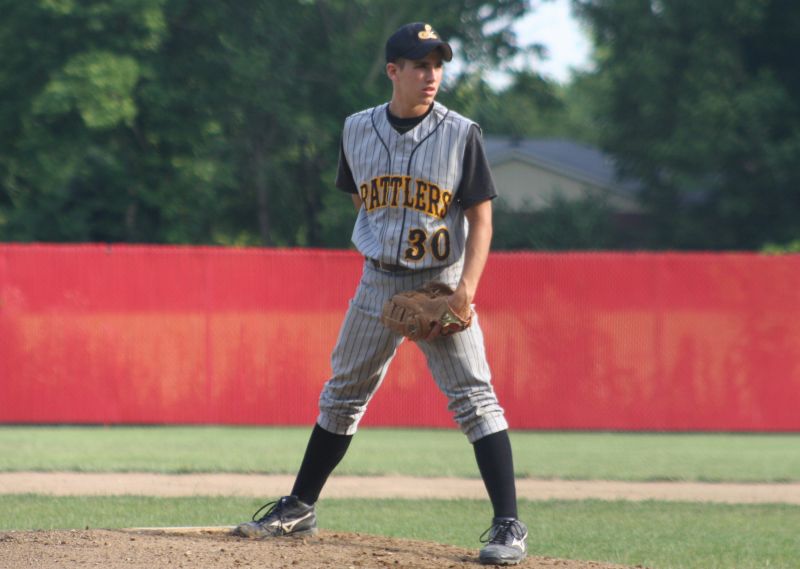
{"points": [[132, 334]]}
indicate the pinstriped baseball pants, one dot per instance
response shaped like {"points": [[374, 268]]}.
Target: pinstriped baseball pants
{"points": [[365, 348]]}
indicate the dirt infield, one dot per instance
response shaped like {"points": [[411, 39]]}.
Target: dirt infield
{"points": [[262, 486], [214, 548]]}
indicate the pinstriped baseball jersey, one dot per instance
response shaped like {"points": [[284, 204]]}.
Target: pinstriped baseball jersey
{"points": [[407, 182], [412, 184]]}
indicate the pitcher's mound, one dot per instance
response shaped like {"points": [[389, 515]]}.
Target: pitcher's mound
{"points": [[213, 548]]}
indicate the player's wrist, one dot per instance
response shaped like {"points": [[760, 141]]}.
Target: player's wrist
{"points": [[465, 292], [461, 301]]}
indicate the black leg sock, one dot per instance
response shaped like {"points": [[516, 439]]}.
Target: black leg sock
{"points": [[324, 451], [496, 464]]}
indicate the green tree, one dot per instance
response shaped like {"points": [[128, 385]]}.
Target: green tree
{"points": [[587, 224], [531, 106], [701, 100], [183, 121], [68, 78]]}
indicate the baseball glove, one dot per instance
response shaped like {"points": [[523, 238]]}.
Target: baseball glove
{"points": [[414, 313]]}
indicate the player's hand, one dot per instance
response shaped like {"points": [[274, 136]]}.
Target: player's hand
{"points": [[460, 303]]}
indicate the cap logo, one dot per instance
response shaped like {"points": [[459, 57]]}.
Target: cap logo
{"points": [[428, 33]]}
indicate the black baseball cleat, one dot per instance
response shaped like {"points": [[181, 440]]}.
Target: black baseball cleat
{"points": [[287, 516], [506, 542]]}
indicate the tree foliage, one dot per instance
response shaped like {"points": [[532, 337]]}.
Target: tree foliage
{"points": [[586, 224], [701, 100], [182, 121]]}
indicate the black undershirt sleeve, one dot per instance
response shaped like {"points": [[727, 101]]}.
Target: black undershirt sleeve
{"points": [[344, 176], [476, 184]]}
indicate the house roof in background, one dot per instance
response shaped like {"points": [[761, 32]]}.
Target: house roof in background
{"points": [[565, 157]]}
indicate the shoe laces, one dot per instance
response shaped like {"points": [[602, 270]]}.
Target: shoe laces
{"points": [[272, 507], [499, 532]]}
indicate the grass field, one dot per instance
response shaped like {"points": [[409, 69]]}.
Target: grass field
{"points": [[578, 456], [659, 535]]}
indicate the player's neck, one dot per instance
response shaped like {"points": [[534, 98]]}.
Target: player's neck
{"points": [[402, 111]]}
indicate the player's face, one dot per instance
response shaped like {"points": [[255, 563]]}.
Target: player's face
{"points": [[416, 83]]}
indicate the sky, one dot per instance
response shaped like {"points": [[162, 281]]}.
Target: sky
{"points": [[568, 46]]}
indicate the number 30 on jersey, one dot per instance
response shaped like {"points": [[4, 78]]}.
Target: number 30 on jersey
{"points": [[420, 244]]}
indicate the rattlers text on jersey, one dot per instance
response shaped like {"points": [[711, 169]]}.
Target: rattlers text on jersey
{"points": [[408, 183]]}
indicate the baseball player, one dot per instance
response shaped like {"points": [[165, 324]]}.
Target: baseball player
{"points": [[419, 178]]}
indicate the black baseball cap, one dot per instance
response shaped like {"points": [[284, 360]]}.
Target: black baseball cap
{"points": [[415, 41]]}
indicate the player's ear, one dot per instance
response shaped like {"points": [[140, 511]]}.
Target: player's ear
{"points": [[393, 67]]}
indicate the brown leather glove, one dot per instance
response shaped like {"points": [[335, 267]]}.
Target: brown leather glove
{"points": [[415, 313]]}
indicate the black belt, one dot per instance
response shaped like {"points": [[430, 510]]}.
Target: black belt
{"points": [[388, 267]]}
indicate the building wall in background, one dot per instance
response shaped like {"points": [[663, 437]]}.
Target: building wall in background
{"points": [[524, 187]]}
